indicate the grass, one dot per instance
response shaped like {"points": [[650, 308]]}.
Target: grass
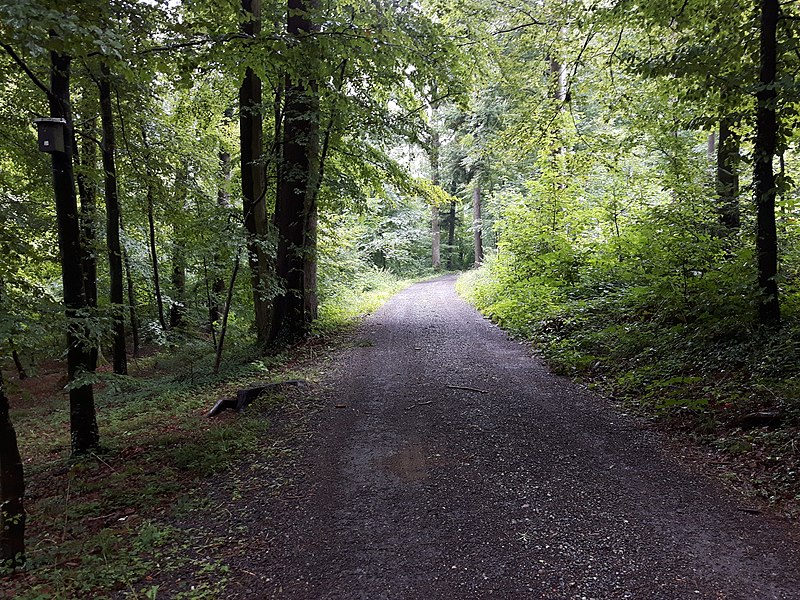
{"points": [[99, 525]]}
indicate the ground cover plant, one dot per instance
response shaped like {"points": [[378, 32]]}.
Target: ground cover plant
{"points": [[102, 522]]}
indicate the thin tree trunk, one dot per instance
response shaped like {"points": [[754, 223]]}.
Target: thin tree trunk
{"points": [[178, 307], [477, 224], [296, 209], [253, 180], [85, 435], [154, 256], [224, 327], [436, 256], [88, 199], [764, 176], [728, 176], [223, 200], [131, 303], [116, 289], [451, 234], [12, 491], [17, 362]]}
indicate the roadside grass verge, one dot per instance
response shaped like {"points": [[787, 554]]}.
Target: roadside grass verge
{"points": [[703, 375], [97, 526]]}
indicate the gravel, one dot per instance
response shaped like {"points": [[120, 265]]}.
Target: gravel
{"points": [[448, 462]]}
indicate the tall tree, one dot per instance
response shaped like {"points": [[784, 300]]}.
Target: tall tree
{"points": [[764, 176], [83, 422], [296, 208], [477, 225], [254, 187], [116, 294], [12, 491]]}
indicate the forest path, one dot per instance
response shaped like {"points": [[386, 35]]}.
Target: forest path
{"points": [[528, 488]]}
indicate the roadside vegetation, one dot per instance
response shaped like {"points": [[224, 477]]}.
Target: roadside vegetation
{"points": [[102, 522], [195, 194]]}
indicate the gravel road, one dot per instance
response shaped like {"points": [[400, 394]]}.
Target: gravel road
{"points": [[449, 463]]}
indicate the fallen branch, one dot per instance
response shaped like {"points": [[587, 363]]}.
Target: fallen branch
{"points": [[469, 389], [246, 395]]}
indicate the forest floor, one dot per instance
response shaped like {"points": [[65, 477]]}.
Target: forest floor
{"points": [[436, 458]]}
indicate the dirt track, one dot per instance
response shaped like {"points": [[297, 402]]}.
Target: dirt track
{"points": [[522, 487]]}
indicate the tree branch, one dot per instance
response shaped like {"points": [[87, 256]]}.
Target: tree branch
{"points": [[17, 59], [517, 27]]}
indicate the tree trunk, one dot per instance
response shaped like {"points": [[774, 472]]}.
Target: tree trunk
{"points": [[116, 289], [12, 491], [451, 234], [436, 256], [17, 361], [179, 300], [296, 209], [253, 181], [134, 319], [223, 200], [88, 198], [154, 256], [176, 310], [728, 176], [83, 422], [477, 224], [764, 176]]}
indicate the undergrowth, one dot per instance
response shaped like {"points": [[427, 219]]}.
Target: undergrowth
{"points": [[96, 526], [700, 367]]}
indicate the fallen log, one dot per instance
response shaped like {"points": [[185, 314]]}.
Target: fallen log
{"points": [[246, 395]]}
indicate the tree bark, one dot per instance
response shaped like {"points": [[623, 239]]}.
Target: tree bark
{"points": [[12, 491], [253, 181], [477, 224], [728, 176], [436, 256], [134, 319], [17, 361], [88, 198], [116, 290], [764, 177], [296, 207], [178, 307], [451, 234], [83, 421]]}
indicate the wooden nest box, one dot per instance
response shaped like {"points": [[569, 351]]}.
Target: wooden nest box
{"points": [[51, 134]]}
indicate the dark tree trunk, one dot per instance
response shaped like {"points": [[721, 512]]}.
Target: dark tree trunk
{"points": [[12, 491], [477, 225], [451, 235], [728, 176], [251, 124], [88, 197], [223, 200], [151, 221], [226, 311], [764, 176], [112, 224], [17, 361], [83, 422], [436, 254], [134, 319], [296, 208], [177, 309]]}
